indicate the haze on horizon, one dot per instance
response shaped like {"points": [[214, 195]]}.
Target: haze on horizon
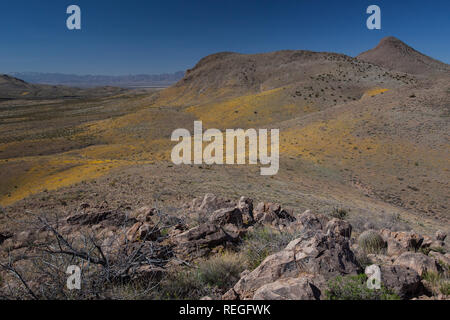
{"points": [[149, 37]]}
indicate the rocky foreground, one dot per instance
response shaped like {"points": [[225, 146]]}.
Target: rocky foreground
{"points": [[156, 254]]}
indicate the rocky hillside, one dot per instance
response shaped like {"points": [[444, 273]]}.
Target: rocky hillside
{"points": [[228, 74], [393, 54], [215, 248]]}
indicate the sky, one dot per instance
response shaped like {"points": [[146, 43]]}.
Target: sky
{"points": [[120, 37]]}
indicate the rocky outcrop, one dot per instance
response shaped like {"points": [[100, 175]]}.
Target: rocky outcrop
{"points": [[323, 249], [403, 281], [303, 288], [200, 240], [272, 213], [418, 262]]}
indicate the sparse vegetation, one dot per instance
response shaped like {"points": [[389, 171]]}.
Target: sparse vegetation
{"points": [[339, 213], [262, 242], [355, 288]]}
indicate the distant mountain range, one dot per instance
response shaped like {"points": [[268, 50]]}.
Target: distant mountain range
{"points": [[127, 81]]}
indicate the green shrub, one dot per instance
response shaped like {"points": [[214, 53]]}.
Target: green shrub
{"points": [[264, 241], [440, 281], [339, 213], [355, 288], [210, 277], [371, 241], [444, 288], [182, 284], [222, 271]]}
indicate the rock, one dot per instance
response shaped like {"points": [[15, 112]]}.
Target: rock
{"points": [[339, 227], [144, 214], [258, 212], [380, 259], [427, 242], [244, 273], [437, 245], [440, 235], [245, 205], [108, 217], [442, 260], [142, 231], [5, 235], [199, 241], [403, 281], [401, 241], [211, 203], [394, 248], [313, 253], [206, 298], [417, 261], [230, 295], [304, 288], [272, 213], [89, 218], [224, 216], [309, 220]]}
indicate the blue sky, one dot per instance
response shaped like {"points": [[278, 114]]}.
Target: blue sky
{"points": [[145, 36]]}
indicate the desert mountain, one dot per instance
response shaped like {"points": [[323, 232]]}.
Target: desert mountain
{"points": [[393, 54], [14, 88], [282, 84]]}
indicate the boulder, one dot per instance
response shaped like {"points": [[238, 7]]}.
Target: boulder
{"points": [[401, 241], [224, 216], [272, 213], [88, 218], [303, 288], [143, 231], [199, 241], [311, 221], [440, 235], [442, 259], [245, 205], [403, 281], [418, 262], [380, 259], [339, 227], [314, 253], [211, 203]]}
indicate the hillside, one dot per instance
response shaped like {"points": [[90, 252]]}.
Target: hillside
{"points": [[225, 75], [353, 135], [125, 81], [393, 54], [14, 88]]}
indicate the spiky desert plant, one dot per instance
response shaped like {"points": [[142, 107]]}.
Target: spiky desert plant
{"points": [[371, 242]]}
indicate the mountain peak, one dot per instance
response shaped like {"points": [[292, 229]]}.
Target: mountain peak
{"points": [[394, 54]]}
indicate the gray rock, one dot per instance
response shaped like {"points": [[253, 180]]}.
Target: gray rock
{"points": [[404, 281], [304, 288], [313, 253], [418, 262]]}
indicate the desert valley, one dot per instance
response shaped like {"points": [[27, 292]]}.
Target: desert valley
{"points": [[364, 150]]}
